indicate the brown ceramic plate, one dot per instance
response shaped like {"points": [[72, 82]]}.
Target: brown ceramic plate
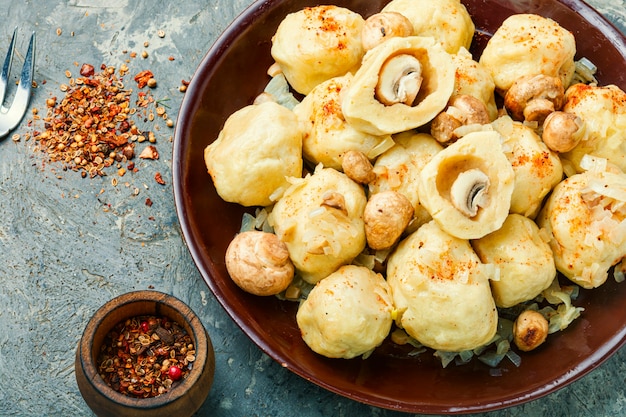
{"points": [[229, 77]]}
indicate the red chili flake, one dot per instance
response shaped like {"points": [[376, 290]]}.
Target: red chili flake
{"points": [[87, 70], [142, 78], [148, 202], [159, 178]]}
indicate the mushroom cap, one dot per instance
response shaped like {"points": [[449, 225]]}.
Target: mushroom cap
{"points": [[442, 288], [382, 26], [477, 150], [530, 330], [321, 235], [533, 97], [448, 21], [258, 262], [347, 314], [562, 131], [317, 43], [524, 258], [386, 216], [256, 150], [363, 111]]}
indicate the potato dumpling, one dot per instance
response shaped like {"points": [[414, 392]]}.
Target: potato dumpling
{"points": [[529, 44], [473, 79], [398, 169], [254, 153], [603, 111], [315, 44], [320, 219], [467, 187], [327, 136], [347, 314], [448, 21], [524, 258], [402, 84], [441, 289], [586, 218], [537, 169]]}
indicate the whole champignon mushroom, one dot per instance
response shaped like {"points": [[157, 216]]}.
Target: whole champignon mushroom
{"points": [[562, 131], [358, 167], [534, 97], [400, 80], [382, 26], [386, 216], [258, 262], [530, 330], [463, 109]]}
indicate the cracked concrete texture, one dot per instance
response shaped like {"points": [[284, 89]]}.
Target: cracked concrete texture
{"points": [[69, 244]]}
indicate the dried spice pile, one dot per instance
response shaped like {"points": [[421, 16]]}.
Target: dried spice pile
{"points": [[144, 356], [91, 127]]}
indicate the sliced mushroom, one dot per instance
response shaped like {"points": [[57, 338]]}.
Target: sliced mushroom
{"points": [[399, 80], [562, 131], [382, 26], [534, 97], [470, 191]]}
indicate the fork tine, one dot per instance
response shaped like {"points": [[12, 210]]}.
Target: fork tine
{"points": [[22, 95], [6, 68]]}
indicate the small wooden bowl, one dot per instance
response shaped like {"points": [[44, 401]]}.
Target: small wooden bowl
{"points": [[183, 399]]}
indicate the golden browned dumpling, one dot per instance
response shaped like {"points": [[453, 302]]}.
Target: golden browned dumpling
{"points": [[318, 43], [537, 169], [254, 153], [445, 20], [402, 84], [467, 187], [586, 217], [347, 314], [327, 136], [398, 169], [441, 291], [523, 257], [603, 111], [320, 219], [529, 44]]}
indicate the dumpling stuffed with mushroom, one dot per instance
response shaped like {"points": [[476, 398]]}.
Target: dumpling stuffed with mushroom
{"points": [[317, 43], [602, 111], [327, 135], [467, 187], [441, 291], [586, 218], [347, 314], [257, 149], [524, 259], [526, 45], [448, 21], [537, 169], [402, 84], [320, 219]]}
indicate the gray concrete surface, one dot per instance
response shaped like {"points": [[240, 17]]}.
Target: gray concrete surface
{"points": [[68, 245]]}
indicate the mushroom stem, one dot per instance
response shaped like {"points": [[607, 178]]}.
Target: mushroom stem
{"points": [[400, 80]]}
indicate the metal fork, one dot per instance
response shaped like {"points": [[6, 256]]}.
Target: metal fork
{"points": [[10, 117]]}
